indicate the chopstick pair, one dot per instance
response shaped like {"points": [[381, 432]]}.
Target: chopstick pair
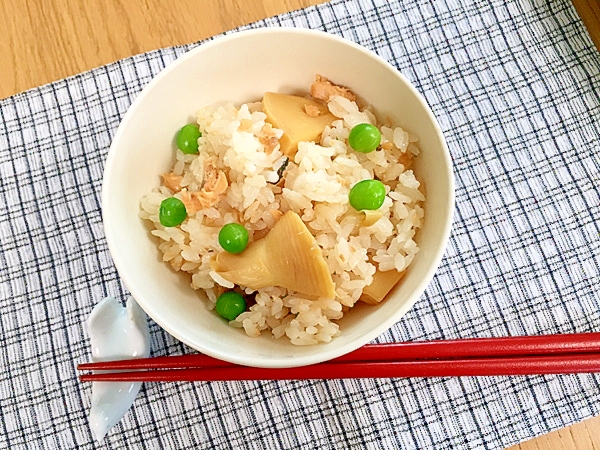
{"points": [[518, 355]]}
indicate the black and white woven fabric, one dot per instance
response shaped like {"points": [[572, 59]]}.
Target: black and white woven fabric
{"points": [[515, 85]]}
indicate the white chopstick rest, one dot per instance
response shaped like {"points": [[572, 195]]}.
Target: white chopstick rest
{"points": [[116, 332]]}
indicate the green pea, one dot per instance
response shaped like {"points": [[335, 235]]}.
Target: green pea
{"points": [[364, 138], [187, 138], [367, 194], [171, 212], [230, 304], [233, 237]]}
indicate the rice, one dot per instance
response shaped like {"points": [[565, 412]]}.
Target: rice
{"points": [[315, 185]]}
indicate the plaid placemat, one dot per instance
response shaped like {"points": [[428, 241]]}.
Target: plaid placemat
{"points": [[516, 88]]}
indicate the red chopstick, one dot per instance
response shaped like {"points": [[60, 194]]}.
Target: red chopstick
{"points": [[529, 365], [519, 355]]}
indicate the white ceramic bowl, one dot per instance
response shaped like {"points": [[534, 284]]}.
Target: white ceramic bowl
{"points": [[241, 67]]}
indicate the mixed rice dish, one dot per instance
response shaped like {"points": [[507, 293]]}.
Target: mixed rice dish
{"points": [[288, 211]]}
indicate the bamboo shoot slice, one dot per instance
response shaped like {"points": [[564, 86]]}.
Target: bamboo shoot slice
{"points": [[383, 283], [289, 113], [288, 256]]}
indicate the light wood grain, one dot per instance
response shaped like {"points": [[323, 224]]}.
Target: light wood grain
{"points": [[581, 436], [42, 41], [589, 11]]}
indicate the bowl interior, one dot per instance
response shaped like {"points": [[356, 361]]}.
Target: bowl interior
{"points": [[240, 68]]}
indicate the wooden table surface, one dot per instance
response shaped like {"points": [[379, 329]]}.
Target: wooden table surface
{"points": [[43, 41]]}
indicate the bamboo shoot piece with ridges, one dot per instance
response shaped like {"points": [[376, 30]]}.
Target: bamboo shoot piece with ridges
{"points": [[288, 256]]}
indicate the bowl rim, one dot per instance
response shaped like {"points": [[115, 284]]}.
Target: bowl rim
{"points": [[324, 353]]}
